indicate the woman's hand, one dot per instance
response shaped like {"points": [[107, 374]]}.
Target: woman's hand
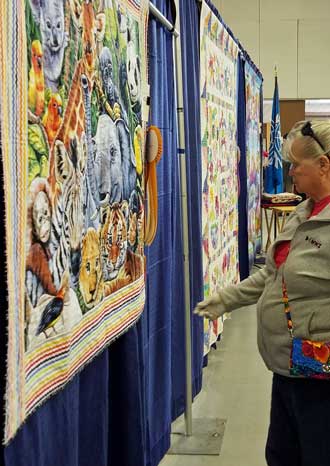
{"points": [[211, 308]]}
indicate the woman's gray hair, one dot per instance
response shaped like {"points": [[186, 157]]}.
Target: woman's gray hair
{"points": [[313, 147]]}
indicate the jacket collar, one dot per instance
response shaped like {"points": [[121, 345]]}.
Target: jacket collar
{"points": [[304, 210], [300, 215], [324, 215]]}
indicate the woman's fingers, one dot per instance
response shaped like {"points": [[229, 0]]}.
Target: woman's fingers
{"points": [[210, 311]]}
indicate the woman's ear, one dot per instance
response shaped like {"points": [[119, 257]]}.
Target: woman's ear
{"points": [[324, 161]]}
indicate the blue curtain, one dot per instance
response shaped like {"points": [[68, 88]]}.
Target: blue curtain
{"points": [[71, 428], [164, 329], [126, 398], [163, 270], [242, 200], [189, 31]]}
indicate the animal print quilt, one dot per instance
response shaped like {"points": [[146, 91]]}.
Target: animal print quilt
{"points": [[73, 80]]}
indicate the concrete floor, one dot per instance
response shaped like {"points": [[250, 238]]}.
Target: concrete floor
{"points": [[236, 387]]}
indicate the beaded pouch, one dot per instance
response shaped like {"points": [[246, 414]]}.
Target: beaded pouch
{"points": [[308, 358]]}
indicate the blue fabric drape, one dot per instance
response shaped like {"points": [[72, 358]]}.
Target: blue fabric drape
{"points": [[242, 200], [189, 31], [71, 428], [127, 422], [164, 342], [164, 258]]}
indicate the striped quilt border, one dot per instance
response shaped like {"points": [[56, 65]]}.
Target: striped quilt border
{"points": [[13, 104], [49, 367]]}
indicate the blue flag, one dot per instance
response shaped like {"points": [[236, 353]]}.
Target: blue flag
{"points": [[274, 173]]}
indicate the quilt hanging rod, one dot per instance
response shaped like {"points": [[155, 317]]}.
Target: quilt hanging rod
{"points": [[161, 18]]}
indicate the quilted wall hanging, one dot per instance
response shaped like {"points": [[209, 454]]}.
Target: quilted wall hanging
{"points": [[253, 161], [73, 81], [218, 87]]}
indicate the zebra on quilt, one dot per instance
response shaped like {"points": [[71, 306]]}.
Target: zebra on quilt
{"points": [[68, 214], [63, 250]]}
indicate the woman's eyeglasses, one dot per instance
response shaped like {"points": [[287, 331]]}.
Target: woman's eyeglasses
{"points": [[307, 130]]}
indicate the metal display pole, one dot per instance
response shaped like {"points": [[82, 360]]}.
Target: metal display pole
{"points": [[208, 433], [161, 18], [185, 228]]}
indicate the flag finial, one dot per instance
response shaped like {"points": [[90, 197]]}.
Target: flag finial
{"points": [[275, 71]]}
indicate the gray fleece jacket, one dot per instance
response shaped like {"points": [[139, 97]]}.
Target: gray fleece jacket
{"points": [[307, 275]]}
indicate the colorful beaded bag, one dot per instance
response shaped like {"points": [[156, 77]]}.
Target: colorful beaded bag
{"points": [[308, 358]]}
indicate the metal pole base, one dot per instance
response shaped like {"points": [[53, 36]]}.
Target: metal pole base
{"points": [[206, 438]]}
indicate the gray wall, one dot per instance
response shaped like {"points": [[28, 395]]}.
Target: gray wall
{"points": [[293, 34]]}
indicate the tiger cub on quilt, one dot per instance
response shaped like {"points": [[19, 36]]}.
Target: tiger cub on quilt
{"points": [[120, 265], [90, 274]]}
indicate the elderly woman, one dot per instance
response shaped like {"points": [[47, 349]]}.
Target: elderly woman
{"points": [[292, 293]]}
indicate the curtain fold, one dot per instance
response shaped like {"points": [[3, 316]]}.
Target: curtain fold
{"points": [[164, 256], [127, 421], [243, 247], [71, 427], [189, 33]]}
